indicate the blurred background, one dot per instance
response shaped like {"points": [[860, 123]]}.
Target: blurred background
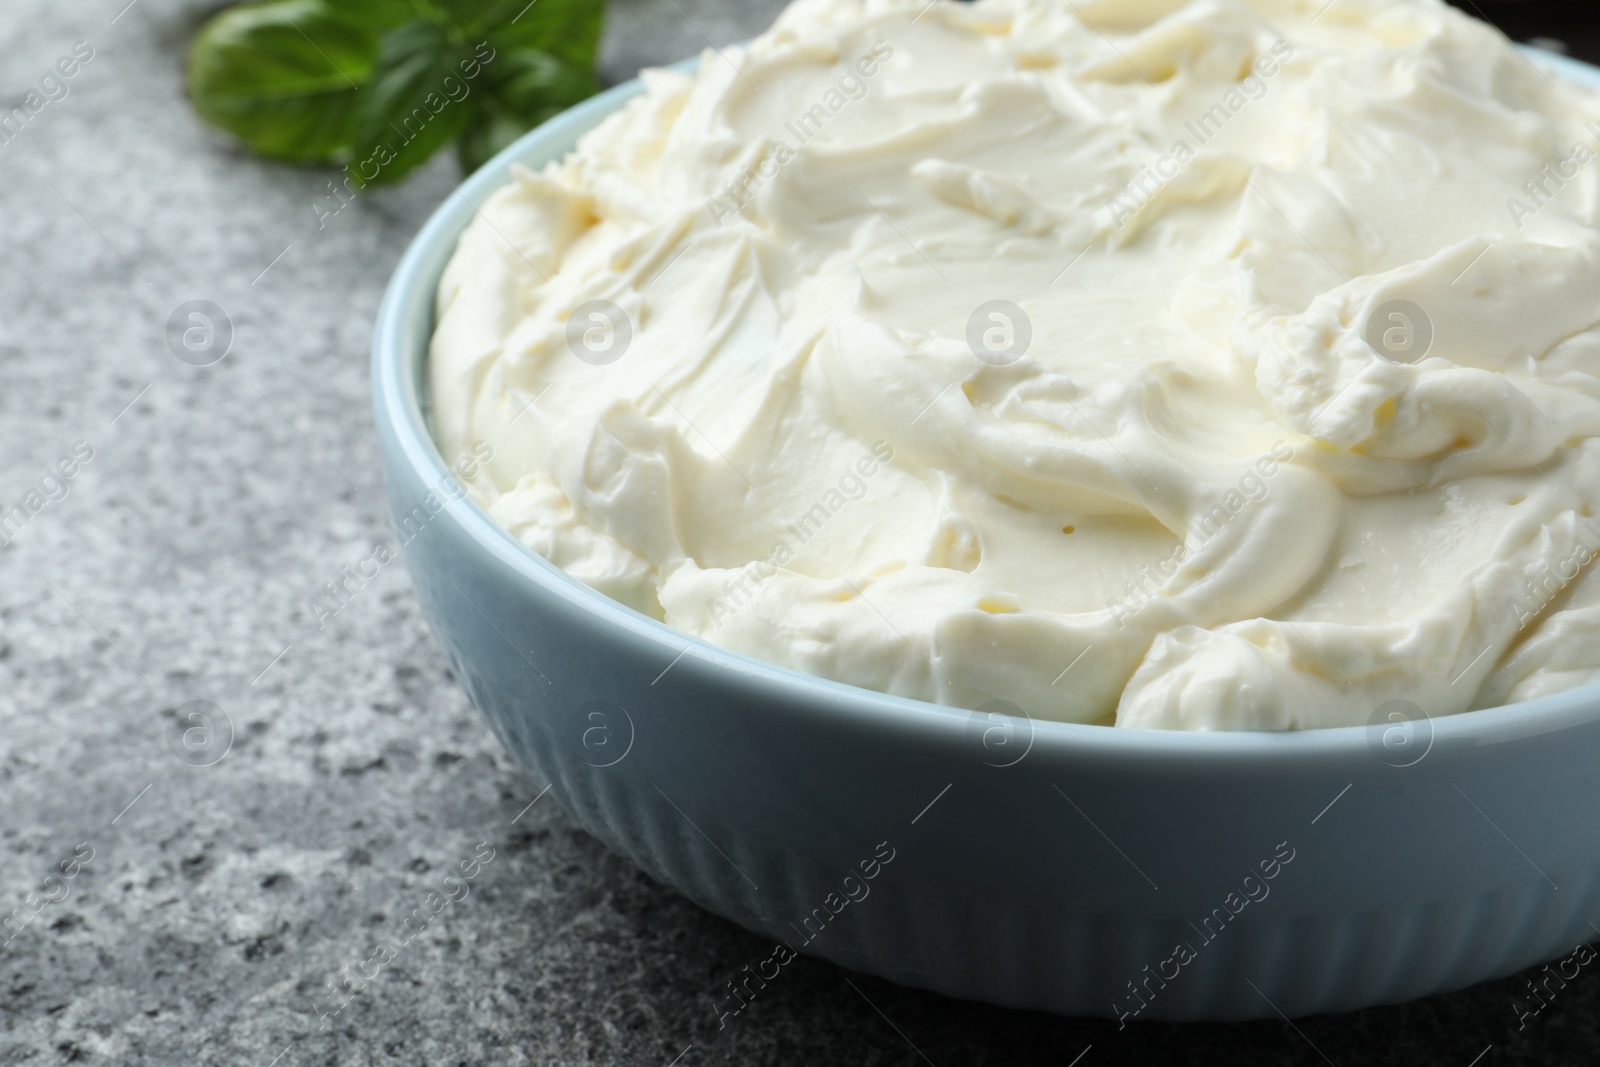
{"points": [[1561, 25]]}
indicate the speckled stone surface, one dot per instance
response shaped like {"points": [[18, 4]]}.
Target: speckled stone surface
{"points": [[225, 869]]}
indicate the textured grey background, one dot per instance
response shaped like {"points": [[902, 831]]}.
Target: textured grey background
{"points": [[219, 906]]}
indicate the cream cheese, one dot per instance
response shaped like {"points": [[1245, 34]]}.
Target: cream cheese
{"points": [[1215, 365]]}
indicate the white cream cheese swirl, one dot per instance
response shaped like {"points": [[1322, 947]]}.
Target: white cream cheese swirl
{"points": [[1215, 365]]}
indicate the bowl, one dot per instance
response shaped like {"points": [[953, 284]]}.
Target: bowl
{"points": [[1076, 869]]}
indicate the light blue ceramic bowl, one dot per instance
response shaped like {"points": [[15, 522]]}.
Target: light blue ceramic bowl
{"points": [[1074, 869]]}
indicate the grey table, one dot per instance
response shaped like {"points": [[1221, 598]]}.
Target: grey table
{"points": [[226, 870]]}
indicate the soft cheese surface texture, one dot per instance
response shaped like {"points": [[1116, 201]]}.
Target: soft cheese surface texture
{"points": [[1218, 365]]}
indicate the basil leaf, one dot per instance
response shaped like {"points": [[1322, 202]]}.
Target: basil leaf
{"points": [[569, 30], [543, 65], [524, 90], [377, 15], [490, 131], [383, 84], [536, 85], [282, 76], [416, 103]]}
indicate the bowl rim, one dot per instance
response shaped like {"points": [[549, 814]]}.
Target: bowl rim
{"points": [[399, 359]]}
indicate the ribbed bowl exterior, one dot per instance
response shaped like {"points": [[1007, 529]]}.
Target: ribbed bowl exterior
{"points": [[1073, 869], [1054, 883]]}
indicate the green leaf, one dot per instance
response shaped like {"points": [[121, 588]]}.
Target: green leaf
{"points": [[282, 76], [383, 84], [531, 82], [569, 30], [417, 102], [543, 64], [528, 88], [378, 15], [488, 133]]}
